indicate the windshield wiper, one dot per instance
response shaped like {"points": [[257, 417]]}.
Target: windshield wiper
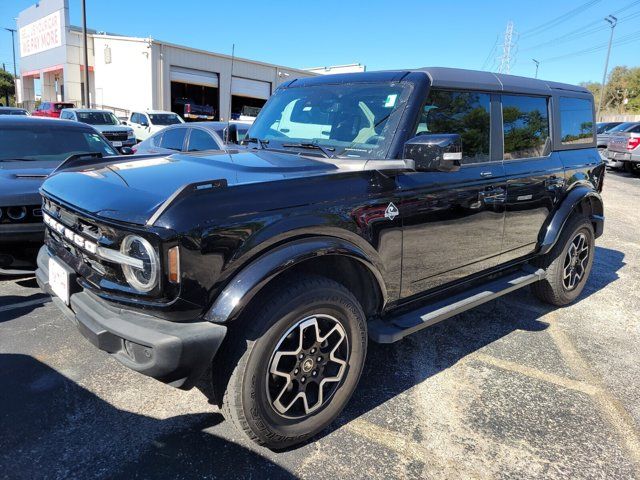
{"points": [[262, 143], [326, 151]]}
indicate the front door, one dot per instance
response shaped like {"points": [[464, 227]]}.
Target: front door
{"points": [[453, 221]]}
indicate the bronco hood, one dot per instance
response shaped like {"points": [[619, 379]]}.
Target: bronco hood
{"points": [[132, 189]]}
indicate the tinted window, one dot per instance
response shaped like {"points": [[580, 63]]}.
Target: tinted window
{"points": [[526, 126], [164, 118], [576, 121], [97, 118], [464, 113], [635, 129], [200, 140], [156, 140], [49, 143], [173, 139], [134, 118]]}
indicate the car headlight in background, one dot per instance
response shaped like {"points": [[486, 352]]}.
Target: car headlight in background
{"points": [[130, 134], [17, 213], [146, 278]]}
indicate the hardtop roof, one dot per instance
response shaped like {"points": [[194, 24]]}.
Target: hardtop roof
{"points": [[452, 78]]}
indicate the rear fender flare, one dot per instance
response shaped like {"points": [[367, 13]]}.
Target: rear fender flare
{"points": [[549, 235], [248, 282]]}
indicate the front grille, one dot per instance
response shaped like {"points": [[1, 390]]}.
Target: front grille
{"points": [[115, 136]]}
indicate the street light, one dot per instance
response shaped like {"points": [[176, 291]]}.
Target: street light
{"points": [[537, 62], [612, 22], [13, 51]]}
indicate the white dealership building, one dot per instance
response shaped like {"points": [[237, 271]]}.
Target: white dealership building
{"points": [[128, 73]]}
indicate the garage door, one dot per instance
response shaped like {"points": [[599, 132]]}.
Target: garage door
{"points": [[244, 87], [194, 77]]}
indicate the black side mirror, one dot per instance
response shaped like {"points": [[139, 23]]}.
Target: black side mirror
{"points": [[435, 152], [126, 150], [231, 134]]}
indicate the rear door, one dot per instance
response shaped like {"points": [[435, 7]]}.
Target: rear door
{"points": [[453, 221], [534, 174]]}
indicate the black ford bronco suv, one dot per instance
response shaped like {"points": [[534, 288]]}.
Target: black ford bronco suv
{"points": [[361, 206]]}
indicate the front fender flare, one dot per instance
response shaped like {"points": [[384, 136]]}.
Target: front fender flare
{"points": [[248, 282], [549, 235]]}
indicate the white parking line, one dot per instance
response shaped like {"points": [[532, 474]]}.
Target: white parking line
{"points": [[28, 303]]}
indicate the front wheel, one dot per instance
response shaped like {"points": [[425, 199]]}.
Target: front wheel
{"points": [[568, 264], [298, 358]]}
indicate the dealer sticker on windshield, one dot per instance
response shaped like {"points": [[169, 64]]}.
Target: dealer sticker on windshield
{"points": [[391, 100]]}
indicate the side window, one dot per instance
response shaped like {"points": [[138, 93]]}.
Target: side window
{"points": [[200, 140], [134, 118], [464, 113], [173, 139], [144, 120], [576, 121], [156, 140], [526, 126], [635, 129]]}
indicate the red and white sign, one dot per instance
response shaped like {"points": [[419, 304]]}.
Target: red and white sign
{"points": [[41, 35]]}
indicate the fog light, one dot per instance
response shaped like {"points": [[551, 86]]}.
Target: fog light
{"points": [[17, 213]]}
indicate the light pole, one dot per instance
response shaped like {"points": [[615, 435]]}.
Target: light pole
{"points": [[13, 51], [537, 62], [87, 102], [612, 22]]}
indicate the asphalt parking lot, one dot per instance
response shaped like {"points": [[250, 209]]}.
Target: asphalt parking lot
{"points": [[513, 389]]}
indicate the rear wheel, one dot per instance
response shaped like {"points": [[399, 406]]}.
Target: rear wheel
{"points": [[632, 167], [294, 361], [568, 264]]}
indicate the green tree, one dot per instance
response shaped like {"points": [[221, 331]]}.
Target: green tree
{"points": [[7, 85]]}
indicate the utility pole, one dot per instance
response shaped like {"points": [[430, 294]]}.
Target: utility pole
{"points": [[13, 51], [612, 22], [537, 62], [87, 101], [507, 49]]}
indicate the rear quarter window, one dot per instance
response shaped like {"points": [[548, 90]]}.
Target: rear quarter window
{"points": [[576, 121]]}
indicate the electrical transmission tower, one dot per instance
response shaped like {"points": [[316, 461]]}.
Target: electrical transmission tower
{"points": [[508, 49]]}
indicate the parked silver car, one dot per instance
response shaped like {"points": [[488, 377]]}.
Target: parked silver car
{"points": [[105, 122], [189, 137], [603, 139]]}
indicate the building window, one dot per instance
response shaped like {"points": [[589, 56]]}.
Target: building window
{"points": [[576, 120], [526, 126]]}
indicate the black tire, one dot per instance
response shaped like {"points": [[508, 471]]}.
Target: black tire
{"points": [[250, 354], [632, 167], [554, 289]]}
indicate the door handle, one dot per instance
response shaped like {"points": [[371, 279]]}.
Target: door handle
{"points": [[554, 183]]}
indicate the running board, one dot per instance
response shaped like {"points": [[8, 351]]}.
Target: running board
{"points": [[392, 329]]}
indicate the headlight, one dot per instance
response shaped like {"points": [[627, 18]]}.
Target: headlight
{"points": [[146, 278], [130, 134], [17, 213]]}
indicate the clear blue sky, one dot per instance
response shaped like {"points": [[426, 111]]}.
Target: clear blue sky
{"points": [[379, 34]]}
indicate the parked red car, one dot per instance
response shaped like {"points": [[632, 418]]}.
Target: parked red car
{"points": [[51, 109]]}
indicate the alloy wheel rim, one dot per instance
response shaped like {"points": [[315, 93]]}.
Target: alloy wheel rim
{"points": [[575, 262], [307, 366]]}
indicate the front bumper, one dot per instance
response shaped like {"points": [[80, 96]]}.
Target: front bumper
{"points": [[174, 353], [18, 247]]}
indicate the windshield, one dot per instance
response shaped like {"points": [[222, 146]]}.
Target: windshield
{"points": [[60, 106], [355, 120], [164, 118], [622, 127], [97, 118], [49, 143]]}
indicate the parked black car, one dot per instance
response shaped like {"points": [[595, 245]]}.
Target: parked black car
{"points": [[30, 149], [367, 205]]}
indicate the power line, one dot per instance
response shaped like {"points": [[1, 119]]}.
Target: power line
{"points": [[624, 40], [581, 32], [491, 52], [559, 19]]}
